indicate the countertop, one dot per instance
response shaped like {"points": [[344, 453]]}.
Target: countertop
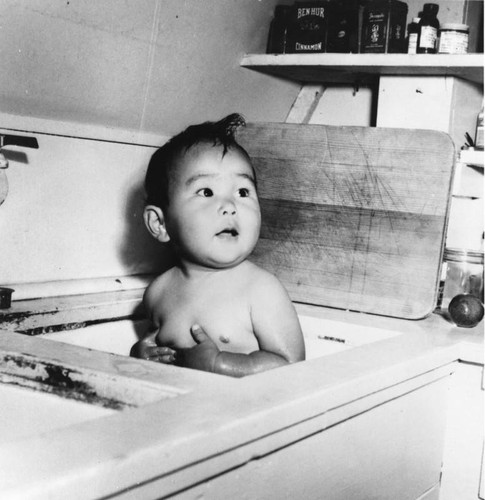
{"points": [[208, 422]]}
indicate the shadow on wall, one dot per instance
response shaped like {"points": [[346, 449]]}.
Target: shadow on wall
{"points": [[16, 156], [139, 251]]}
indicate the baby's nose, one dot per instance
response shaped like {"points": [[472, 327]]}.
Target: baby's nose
{"points": [[228, 207]]}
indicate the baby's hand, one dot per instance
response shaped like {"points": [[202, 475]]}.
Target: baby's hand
{"points": [[149, 350], [202, 356]]}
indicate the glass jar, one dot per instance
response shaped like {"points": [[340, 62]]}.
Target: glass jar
{"points": [[453, 39], [464, 275]]}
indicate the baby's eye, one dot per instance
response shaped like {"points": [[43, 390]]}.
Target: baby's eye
{"points": [[243, 192], [206, 192]]}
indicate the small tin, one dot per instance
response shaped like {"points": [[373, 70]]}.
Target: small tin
{"points": [[5, 297], [453, 39]]}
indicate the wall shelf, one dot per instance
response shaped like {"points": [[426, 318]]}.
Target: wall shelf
{"points": [[364, 68]]}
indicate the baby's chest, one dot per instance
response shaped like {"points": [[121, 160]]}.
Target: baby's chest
{"points": [[226, 319]]}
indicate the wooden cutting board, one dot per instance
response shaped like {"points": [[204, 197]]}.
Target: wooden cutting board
{"points": [[353, 217]]}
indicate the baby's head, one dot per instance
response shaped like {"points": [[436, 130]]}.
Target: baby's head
{"points": [[164, 162], [201, 195]]}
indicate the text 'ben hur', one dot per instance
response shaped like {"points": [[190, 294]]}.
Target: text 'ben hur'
{"points": [[313, 11]]}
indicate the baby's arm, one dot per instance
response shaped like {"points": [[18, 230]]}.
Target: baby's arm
{"points": [[276, 327], [148, 349]]}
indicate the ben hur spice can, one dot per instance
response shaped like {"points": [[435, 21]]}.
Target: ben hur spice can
{"points": [[307, 28]]}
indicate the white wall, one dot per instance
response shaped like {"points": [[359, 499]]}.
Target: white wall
{"points": [[148, 65]]}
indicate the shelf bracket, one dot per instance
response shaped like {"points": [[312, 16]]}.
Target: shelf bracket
{"points": [[305, 104], [356, 87]]}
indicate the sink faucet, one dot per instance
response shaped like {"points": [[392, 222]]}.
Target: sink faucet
{"points": [[15, 140], [11, 140]]}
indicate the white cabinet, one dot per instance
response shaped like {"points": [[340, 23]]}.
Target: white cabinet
{"points": [[390, 451], [462, 460]]}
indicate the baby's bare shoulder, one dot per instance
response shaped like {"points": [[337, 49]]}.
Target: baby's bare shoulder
{"points": [[156, 288], [262, 281]]}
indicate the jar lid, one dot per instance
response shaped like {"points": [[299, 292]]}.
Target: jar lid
{"points": [[455, 27], [460, 255]]}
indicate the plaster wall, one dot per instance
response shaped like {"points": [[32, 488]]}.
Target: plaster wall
{"points": [[144, 65]]}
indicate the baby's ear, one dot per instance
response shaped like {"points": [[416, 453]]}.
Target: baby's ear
{"points": [[155, 223]]}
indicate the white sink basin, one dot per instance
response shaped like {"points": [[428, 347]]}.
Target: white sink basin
{"points": [[322, 336], [26, 413]]}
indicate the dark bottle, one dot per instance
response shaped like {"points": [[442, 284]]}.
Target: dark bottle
{"points": [[413, 31], [278, 28], [428, 29]]}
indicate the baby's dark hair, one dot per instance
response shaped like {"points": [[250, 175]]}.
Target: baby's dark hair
{"points": [[164, 160]]}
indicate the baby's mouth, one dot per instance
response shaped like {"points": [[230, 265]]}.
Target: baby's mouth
{"points": [[229, 231]]}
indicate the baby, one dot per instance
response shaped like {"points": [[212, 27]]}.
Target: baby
{"points": [[214, 310]]}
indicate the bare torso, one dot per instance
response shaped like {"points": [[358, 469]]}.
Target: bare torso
{"points": [[220, 302]]}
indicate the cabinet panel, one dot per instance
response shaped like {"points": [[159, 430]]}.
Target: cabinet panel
{"points": [[433, 94], [391, 451], [464, 435], [436, 103]]}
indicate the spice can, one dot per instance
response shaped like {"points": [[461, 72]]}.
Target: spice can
{"points": [[278, 30], [453, 39], [343, 26], [307, 27], [384, 26]]}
